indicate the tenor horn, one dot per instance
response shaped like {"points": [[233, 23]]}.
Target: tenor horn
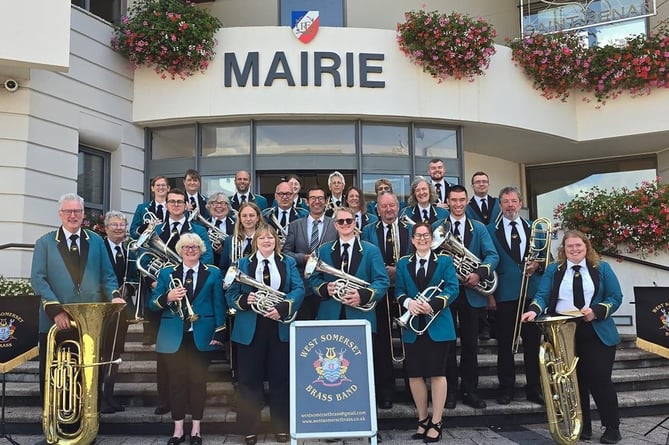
{"points": [[70, 414], [343, 284]]}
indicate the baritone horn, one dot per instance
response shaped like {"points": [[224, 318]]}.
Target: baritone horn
{"points": [[559, 382], [407, 319], [216, 235], [192, 316], [70, 413], [343, 284]]}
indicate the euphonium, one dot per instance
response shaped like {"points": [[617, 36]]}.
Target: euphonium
{"points": [[407, 319], [465, 262], [216, 235], [539, 249], [70, 414], [343, 284], [559, 383], [266, 297]]}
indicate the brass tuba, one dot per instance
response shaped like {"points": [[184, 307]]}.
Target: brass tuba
{"points": [[464, 261], [559, 382], [266, 297], [343, 284], [70, 414]]}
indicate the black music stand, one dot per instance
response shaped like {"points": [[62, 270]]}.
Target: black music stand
{"points": [[3, 434]]}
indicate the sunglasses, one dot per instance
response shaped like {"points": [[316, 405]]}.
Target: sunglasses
{"points": [[343, 221]]}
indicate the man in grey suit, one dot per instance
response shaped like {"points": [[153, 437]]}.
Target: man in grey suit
{"points": [[305, 236], [70, 265]]}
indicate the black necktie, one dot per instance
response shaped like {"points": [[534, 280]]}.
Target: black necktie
{"points": [[438, 187], [389, 250], [119, 255], [119, 262], [421, 275], [217, 224], [515, 243], [456, 230], [74, 249], [426, 217], [188, 284], [175, 228], [247, 249], [344, 258], [338, 203], [284, 218], [484, 208], [174, 236], [577, 287], [193, 204], [159, 212], [313, 243], [242, 198], [266, 277]]}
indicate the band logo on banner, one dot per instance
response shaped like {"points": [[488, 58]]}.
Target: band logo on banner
{"points": [[652, 319], [332, 377], [18, 330]]}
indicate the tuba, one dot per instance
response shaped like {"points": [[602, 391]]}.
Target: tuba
{"points": [[539, 250], [343, 284], [407, 320], [266, 297], [559, 382], [464, 261], [70, 414]]}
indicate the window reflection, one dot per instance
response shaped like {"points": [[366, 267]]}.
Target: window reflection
{"points": [[176, 142], [213, 184], [281, 139], [390, 140], [436, 143], [401, 185], [226, 140]]}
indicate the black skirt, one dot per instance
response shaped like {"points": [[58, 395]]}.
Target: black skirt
{"points": [[426, 357]]}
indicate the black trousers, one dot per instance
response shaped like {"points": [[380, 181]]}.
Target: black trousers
{"points": [[187, 369], [265, 357], [467, 318], [309, 307], [384, 371], [595, 365], [506, 370]]}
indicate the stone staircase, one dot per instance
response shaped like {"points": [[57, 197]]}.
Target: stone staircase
{"points": [[640, 378]]}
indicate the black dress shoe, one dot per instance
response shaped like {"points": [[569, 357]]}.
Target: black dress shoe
{"points": [[484, 334], [586, 433], [160, 409], [195, 440], [386, 404], [281, 437], [474, 401], [176, 440], [251, 439], [611, 435], [535, 398], [106, 408], [504, 398]]}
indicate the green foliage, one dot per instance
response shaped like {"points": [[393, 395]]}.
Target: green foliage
{"points": [[10, 288]]}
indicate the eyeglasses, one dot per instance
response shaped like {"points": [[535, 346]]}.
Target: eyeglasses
{"points": [[175, 202], [71, 211], [480, 181], [219, 203], [317, 198], [422, 235], [118, 225], [284, 194], [190, 247], [343, 221]]}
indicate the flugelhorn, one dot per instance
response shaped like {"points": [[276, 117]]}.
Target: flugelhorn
{"points": [[343, 284], [407, 319], [216, 235], [464, 260], [192, 316], [266, 297]]}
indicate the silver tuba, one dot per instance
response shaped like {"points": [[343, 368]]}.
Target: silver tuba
{"points": [[216, 235], [407, 320], [266, 297], [464, 261], [343, 284]]}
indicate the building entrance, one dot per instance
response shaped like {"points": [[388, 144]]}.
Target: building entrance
{"points": [[267, 180]]}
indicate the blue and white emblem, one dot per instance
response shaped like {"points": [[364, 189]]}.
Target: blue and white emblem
{"points": [[305, 25], [6, 330]]}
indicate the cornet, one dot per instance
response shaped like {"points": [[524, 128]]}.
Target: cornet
{"points": [[343, 284], [407, 319], [192, 316]]}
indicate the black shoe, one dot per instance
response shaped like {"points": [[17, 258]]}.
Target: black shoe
{"points": [[160, 410], [535, 398], [611, 435], [195, 440], [386, 404], [281, 437], [421, 424], [176, 440], [504, 397], [251, 439], [484, 334], [586, 433], [474, 401], [451, 402], [106, 408], [433, 426]]}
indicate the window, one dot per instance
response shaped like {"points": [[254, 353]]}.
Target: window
{"points": [[436, 142], [169, 143], [390, 140], [109, 10], [93, 179], [225, 140], [284, 139]]}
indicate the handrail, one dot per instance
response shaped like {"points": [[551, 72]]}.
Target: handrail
{"points": [[17, 245], [637, 261]]}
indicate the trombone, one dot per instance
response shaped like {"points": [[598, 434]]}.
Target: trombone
{"points": [[407, 319], [539, 251], [192, 316]]}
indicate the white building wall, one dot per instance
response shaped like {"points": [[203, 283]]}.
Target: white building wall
{"points": [[42, 125]]}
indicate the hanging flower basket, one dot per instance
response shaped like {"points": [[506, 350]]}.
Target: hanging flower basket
{"points": [[174, 37], [454, 45]]}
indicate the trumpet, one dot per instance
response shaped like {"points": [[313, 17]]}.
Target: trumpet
{"points": [[266, 297], [407, 319], [343, 284], [465, 262], [192, 316], [216, 235]]}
